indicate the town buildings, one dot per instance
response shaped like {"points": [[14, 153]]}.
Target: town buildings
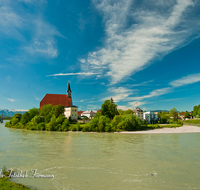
{"points": [[149, 117]]}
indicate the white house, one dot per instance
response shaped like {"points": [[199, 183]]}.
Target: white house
{"points": [[89, 113], [150, 117]]}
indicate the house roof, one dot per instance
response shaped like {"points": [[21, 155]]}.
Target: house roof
{"points": [[88, 112], [98, 111], [80, 112], [56, 99]]}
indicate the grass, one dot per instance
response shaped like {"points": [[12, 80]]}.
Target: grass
{"points": [[158, 126], [192, 121], [6, 184]]}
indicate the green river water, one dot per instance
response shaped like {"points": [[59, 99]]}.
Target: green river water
{"points": [[103, 160]]}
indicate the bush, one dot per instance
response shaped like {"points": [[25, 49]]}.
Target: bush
{"points": [[94, 124], [18, 116], [37, 119], [102, 123], [41, 126], [14, 121], [8, 124], [108, 128], [31, 126], [25, 118], [78, 126]]}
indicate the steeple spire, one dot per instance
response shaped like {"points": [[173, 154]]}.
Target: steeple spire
{"points": [[69, 90]]}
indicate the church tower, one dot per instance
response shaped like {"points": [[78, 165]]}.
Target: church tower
{"points": [[69, 90]]}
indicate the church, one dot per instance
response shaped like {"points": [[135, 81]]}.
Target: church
{"points": [[71, 111]]}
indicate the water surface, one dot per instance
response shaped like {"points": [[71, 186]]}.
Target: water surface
{"points": [[103, 160]]}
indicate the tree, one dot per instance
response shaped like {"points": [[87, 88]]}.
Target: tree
{"points": [[33, 112], [174, 113], [109, 109], [59, 110], [186, 114], [129, 111], [25, 118], [46, 109]]}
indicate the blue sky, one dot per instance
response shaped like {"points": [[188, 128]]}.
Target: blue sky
{"points": [[141, 53]]}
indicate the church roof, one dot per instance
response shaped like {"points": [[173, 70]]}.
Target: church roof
{"points": [[56, 99], [68, 89]]}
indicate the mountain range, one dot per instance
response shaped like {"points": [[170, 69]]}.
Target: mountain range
{"points": [[11, 113]]}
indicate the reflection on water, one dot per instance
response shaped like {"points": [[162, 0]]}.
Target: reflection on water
{"points": [[103, 160]]}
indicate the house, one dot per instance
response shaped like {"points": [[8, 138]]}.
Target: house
{"points": [[90, 114], [150, 117], [138, 112], [71, 111]]}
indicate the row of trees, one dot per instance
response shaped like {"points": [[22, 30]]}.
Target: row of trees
{"points": [[49, 118], [196, 111]]}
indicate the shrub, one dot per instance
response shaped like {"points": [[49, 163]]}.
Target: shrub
{"points": [[108, 128], [37, 119], [78, 126], [41, 126], [31, 126], [18, 116], [8, 124], [102, 123], [94, 123], [25, 118], [14, 121]]}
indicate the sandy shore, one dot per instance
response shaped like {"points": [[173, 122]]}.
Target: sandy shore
{"points": [[183, 129]]}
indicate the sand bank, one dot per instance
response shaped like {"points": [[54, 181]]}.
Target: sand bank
{"points": [[183, 129]]}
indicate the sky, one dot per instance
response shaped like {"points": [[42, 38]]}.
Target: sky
{"points": [[143, 53]]}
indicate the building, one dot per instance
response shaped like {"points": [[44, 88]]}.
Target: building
{"points": [[138, 112], [90, 114], [71, 111], [150, 117]]}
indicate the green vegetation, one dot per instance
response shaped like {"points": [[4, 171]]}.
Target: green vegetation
{"points": [[174, 114], [196, 111], [6, 184], [109, 109], [192, 121], [49, 118]]}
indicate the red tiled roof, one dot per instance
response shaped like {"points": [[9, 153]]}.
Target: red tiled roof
{"points": [[56, 99], [80, 112], [98, 111]]}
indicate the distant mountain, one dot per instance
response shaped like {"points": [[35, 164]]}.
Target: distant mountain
{"points": [[160, 110], [11, 113]]}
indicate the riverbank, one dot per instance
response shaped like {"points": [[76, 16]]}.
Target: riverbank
{"points": [[6, 184], [182, 129]]}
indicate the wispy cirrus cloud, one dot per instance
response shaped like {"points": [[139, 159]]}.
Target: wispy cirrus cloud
{"points": [[11, 100], [66, 74], [120, 93], [129, 48], [190, 79], [14, 24]]}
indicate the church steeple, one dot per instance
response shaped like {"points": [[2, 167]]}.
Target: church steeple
{"points": [[69, 90]]}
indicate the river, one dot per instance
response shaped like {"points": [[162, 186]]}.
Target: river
{"points": [[109, 161]]}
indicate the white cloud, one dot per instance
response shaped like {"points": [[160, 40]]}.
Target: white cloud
{"points": [[124, 107], [154, 93], [119, 93], [137, 103], [11, 100], [10, 22], [65, 74], [42, 34], [186, 80], [82, 60], [154, 34]]}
